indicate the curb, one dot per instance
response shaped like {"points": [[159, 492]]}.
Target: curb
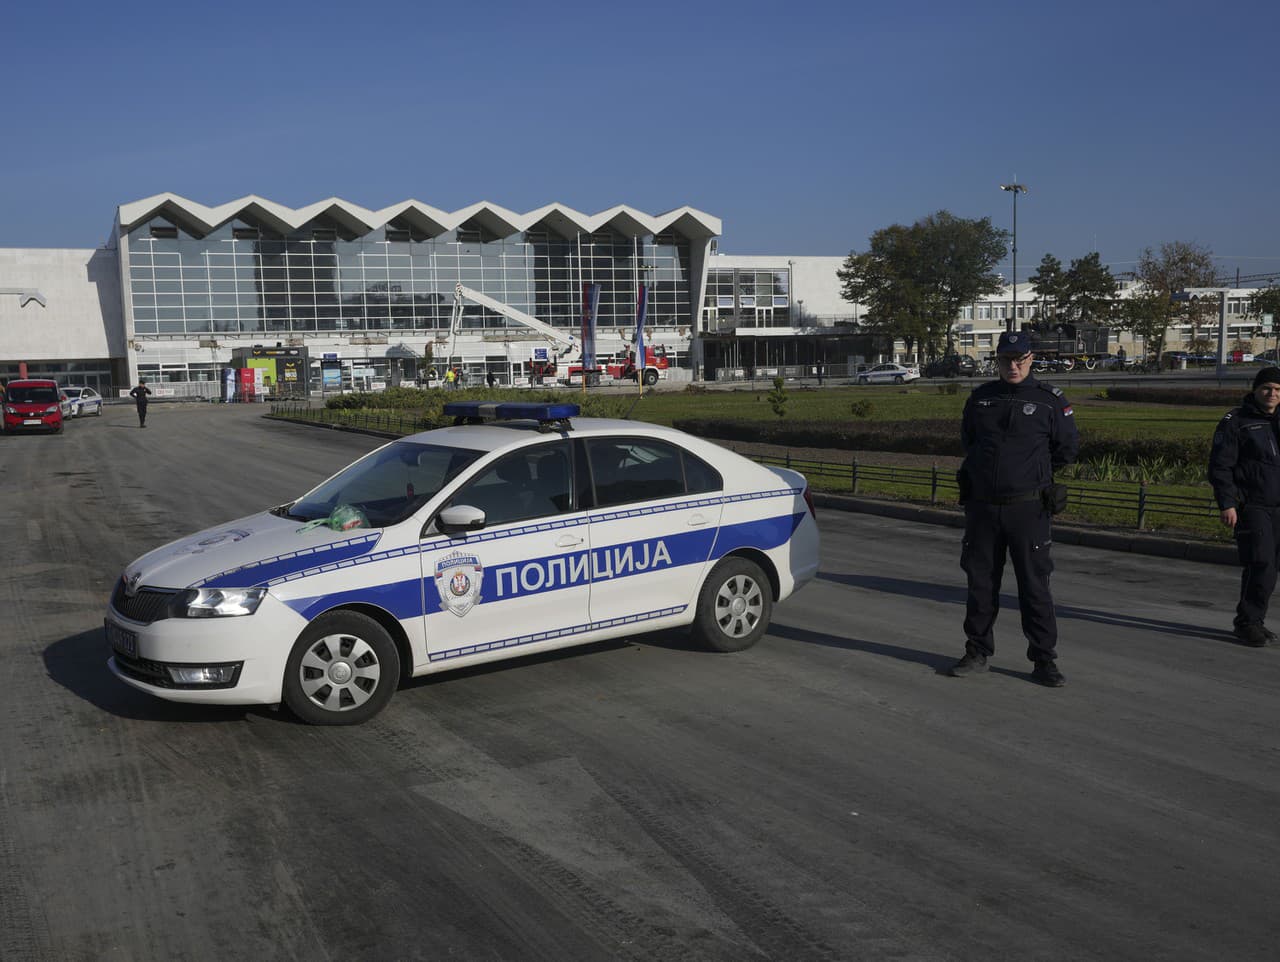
{"points": [[1132, 542]]}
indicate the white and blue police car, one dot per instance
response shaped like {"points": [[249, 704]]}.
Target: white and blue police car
{"points": [[520, 529]]}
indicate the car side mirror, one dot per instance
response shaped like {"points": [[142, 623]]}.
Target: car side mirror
{"points": [[457, 519]]}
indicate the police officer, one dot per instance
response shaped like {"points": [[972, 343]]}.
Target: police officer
{"points": [[1244, 469], [1015, 432]]}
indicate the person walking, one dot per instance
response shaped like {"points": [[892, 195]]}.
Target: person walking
{"points": [[1015, 431], [1244, 469], [139, 395]]}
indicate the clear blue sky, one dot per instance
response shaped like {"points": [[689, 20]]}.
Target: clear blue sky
{"points": [[805, 126]]}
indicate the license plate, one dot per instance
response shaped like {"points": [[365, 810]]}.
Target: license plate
{"points": [[122, 639], [32, 421]]}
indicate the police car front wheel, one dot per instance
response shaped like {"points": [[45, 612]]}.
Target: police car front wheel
{"points": [[734, 606], [343, 670]]}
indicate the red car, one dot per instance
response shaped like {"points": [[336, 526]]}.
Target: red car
{"points": [[32, 405]]}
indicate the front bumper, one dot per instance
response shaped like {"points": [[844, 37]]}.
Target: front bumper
{"points": [[32, 422], [258, 643]]}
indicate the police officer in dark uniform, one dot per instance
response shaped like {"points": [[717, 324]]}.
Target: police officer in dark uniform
{"points": [[1244, 469], [1015, 432]]}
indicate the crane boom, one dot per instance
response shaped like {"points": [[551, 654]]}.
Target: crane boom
{"points": [[566, 341]]}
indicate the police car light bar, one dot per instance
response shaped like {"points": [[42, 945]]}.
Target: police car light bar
{"points": [[475, 412]]}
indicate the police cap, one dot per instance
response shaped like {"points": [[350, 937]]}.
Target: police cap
{"points": [[1016, 343]]}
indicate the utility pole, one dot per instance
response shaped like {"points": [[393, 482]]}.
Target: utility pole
{"points": [[1015, 188]]}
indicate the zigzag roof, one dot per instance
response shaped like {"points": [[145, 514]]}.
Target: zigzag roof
{"points": [[200, 219]]}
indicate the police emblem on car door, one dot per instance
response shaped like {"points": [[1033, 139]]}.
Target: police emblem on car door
{"points": [[523, 578], [459, 578]]}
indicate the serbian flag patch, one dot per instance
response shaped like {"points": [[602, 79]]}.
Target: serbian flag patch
{"points": [[1067, 411]]}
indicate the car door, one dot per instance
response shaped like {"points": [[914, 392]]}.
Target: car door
{"points": [[521, 581], [654, 521]]}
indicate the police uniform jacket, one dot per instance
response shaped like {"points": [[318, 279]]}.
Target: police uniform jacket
{"points": [[1244, 463], [1014, 437]]}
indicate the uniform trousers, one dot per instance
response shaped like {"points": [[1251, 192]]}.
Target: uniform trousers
{"points": [[1023, 532], [1258, 543]]}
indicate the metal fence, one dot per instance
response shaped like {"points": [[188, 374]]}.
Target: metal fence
{"points": [[1134, 499]]}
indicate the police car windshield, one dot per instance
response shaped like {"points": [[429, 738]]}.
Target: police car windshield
{"points": [[388, 485]]}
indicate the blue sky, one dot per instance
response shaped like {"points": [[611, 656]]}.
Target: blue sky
{"points": [[804, 126]]}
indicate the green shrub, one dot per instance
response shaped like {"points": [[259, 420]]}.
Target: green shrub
{"points": [[778, 397], [861, 409]]}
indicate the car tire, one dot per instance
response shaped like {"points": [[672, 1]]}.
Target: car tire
{"points": [[862, 380], [650, 377], [734, 606], [343, 670], [897, 379]]}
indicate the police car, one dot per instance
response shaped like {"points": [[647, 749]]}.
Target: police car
{"points": [[520, 529]]}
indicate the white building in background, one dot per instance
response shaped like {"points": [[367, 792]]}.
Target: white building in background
{"points": [[181, 290]]}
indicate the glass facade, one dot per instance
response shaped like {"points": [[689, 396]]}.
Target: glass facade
{"points": [[242, 278], [747, 298]]}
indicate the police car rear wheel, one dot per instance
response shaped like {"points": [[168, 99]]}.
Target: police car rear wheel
{"points": [[734, 606], [343, 670]]}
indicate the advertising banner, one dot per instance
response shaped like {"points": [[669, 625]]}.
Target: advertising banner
{"points": [[244, 383], [590, 308], [228, 384]]}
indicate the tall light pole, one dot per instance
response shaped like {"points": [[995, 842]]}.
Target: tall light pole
{"points": [[1016, 189]]}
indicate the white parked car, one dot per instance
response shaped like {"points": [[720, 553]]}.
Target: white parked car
{"points": [[84, 401], [888, 374], [463, 545]]}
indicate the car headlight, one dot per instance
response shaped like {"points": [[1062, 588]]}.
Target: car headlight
{"points": [[219, 602], [52, 409], [10, 410]]}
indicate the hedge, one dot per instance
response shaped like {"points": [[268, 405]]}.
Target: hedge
{"points": [[1223, 397], [938, 436]]}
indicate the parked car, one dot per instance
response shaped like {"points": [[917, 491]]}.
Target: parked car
{"points": [[889, 374], [463, 545], [84, 401], [951, 365], [34, 404]]}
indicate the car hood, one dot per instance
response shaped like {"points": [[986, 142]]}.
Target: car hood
{"points": [[253, 551]]}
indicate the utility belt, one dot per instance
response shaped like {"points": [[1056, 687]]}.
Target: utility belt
{"points": [[1011, 499], [1052, 496]]}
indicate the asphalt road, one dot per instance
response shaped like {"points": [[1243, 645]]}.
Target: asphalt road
{"points": [[826, 795]]}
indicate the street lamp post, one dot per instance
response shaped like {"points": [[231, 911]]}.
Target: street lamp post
{"points": [[1016, 189]]}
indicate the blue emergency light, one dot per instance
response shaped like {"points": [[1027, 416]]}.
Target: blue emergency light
{"points": [[476, 412]]}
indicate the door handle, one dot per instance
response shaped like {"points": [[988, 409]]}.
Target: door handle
{"points": [[568, 541], [696, 520]]}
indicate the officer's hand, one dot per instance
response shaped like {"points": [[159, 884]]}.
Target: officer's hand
{"points": [[1229, 517]]}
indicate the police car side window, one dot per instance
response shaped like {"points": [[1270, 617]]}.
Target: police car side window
{"points": [[699, 476], [529, 483], [626, 470]]}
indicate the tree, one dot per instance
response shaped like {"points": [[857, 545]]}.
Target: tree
{"points": [[1146, 315], [1179, 265], [1266, 301], [1087, 291], [1047, 283], [914, 280]]}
